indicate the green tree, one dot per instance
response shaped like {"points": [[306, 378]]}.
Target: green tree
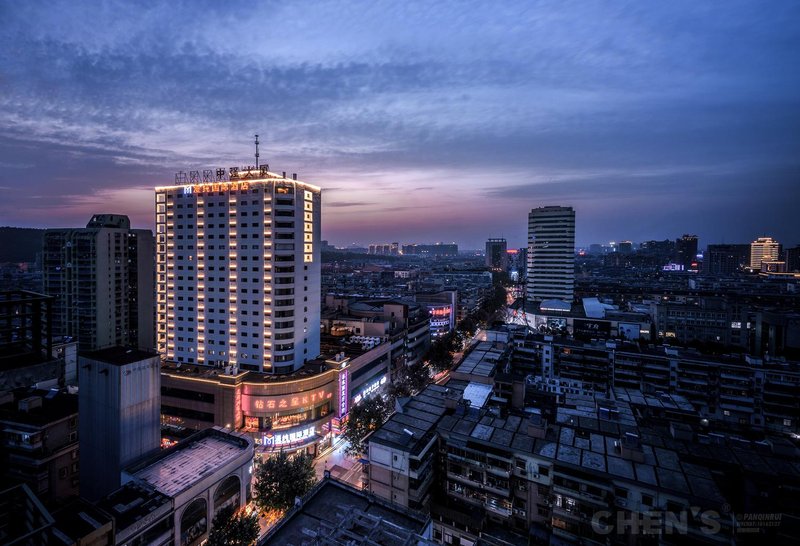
{"points": [[409, 380], [468, 326], [279, 479], [363, 418], [233, 528]]}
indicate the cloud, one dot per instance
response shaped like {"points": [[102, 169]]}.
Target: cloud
{"points": [[452, 122], [348, 204]]}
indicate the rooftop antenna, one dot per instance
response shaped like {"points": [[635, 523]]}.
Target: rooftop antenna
{"points": [[256, 151]]}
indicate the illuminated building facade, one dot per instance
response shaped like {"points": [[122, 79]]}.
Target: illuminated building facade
{"points": [[302, 411], [764, 249], [551, 254], [442, 308], [238, 270], [101, 278], [686, 251]]}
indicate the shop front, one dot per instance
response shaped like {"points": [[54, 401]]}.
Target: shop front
{"points": [[294, 422]]}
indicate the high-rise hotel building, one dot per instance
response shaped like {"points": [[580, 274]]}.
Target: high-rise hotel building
{"points": [[238, 271], [764, 249], [551, 254]]}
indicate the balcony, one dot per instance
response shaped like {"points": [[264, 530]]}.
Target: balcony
{"points": [[419, 492]]}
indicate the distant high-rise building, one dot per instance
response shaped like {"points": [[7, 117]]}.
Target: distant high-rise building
{"points": [[119, 414], [793, 259], [436, 250], [726, 259], [101, 277], [496, 256], [625, 247], [385, 249], [522, 261], [686, 251], [764, 249], [663, 251], [551, 253], [239, 272]]}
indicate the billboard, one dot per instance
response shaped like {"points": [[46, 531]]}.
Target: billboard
{"points": [[628, 330], [591, 329]]}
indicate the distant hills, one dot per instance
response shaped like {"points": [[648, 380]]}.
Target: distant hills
{"points": [[20, 244]]}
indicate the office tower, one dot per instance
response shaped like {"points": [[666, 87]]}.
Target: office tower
{"points": [[726, 259], [119, 414], [626, 247], [686, 251], [764, 249], [238, 271], [551, 253], [496, 257], [101, 277]]}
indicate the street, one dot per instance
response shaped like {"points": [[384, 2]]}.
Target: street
{"points": [[341, 466]]}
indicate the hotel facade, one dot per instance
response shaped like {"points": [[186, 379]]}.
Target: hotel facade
{"points": [[238, 270]]}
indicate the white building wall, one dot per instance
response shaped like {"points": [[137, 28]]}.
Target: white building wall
{"points": [[238, 273]]}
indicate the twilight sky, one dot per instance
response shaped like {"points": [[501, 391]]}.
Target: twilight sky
{"points": [[435, 121]]}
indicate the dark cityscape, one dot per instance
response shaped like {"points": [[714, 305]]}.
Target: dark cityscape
{"points": [[531, 275]]}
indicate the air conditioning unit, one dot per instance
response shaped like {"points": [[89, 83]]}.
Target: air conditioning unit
{"points": [[621, 502]]}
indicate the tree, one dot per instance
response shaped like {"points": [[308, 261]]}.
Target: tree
{"points": [[411, 379], [233, 528], [468, 326], [439, 355], [364, 417], [279, 479]]}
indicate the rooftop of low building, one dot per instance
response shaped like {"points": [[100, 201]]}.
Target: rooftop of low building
{"points": [[132, 503], [179, 467], [120, 356], [334, 513], [412, 427], [37, 407]]}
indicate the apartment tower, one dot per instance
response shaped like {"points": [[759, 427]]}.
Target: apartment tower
{"points": [[238, 270], [101, 278], [551, 254]]}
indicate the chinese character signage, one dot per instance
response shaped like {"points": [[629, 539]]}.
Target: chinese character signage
{"points": [[343, 392], [287, 438]]}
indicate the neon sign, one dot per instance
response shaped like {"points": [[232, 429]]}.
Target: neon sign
{"points": [[369, 389], [287, 438], [290, 401], [343, 398]]}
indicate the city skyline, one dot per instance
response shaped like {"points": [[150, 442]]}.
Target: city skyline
{"points": [[650, 121]]}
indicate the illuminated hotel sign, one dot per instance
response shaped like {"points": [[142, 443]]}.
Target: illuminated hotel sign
{"points": [[343, 394], [215, 187], [369, 389], [287, 438]]}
